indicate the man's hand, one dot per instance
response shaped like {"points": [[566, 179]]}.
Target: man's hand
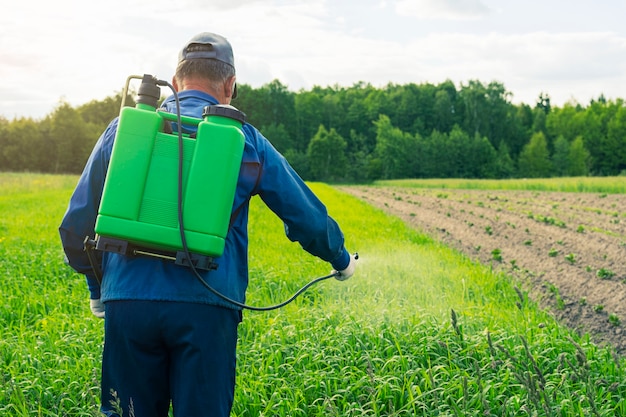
{"points": [[97, 308], [346, 273]]}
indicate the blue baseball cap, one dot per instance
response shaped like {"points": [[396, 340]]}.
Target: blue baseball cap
{"points": [[219, 49]]}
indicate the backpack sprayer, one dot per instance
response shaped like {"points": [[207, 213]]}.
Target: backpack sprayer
{"points": [[157, 179]]}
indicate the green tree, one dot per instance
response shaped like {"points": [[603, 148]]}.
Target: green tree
{"points": [[299, 162], [376, 102], [375, 168], [539, 121], [567, 121], [480, 159], [445, 107], [534, 161], [101, 112], [309, 116], [358, 155], [595, 122], [73, 139], [560, 157], [505, 166], [396, 150], [543, 103], [488, 112], [12, 149], [500, 113], [272, 104], [458, 155], [435, 156], [4, 143], [475, 111], [412, 107], [246, 101], [279, 106], [357, 115], [443, 111], [616, 143], [578, 158], [326, 155], [278, 136]]}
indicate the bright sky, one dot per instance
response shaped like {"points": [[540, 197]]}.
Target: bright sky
{"points": [[77, 50]]}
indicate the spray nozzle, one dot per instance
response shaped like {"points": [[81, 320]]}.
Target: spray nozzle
{"points": [[346, 273]]}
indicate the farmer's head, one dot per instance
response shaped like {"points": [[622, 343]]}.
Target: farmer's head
{"points": [[206, 63]]}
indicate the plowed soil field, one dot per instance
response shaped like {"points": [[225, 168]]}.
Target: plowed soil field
{"points": [[568, 250]]}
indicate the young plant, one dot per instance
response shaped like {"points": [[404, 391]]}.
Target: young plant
{"points": [[604, 273], [560, 304]]}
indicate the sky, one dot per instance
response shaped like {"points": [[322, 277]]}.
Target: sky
{"points": [[75, 51]]}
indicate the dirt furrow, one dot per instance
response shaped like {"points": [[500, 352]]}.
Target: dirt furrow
{"points": [[567, 249]]}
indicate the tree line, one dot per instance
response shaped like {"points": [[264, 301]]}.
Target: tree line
{"points": [[363, 133]]}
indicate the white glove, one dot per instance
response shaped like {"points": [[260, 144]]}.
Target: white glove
{"points": [[346, 273], [97, 308]]}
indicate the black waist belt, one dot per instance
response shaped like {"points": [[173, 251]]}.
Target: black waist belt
{"points": [[123, 247]]}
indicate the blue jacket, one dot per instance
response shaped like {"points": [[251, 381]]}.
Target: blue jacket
{"points": [[264, 172]]}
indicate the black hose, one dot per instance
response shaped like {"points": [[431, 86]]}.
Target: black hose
{"points": [[184, 239]]}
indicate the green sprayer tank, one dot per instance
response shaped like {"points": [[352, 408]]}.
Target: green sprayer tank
{"points": [[141, 191]]}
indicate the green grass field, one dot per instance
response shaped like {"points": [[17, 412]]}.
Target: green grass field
{"points": [[418, 331], [609, 185]]}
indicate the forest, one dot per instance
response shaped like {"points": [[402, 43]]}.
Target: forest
{"points": [[364, 133]]}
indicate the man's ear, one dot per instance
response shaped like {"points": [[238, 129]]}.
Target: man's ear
{"points": [[230, 87], [175, 84]]}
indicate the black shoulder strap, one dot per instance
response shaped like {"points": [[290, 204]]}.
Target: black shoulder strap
{"points": [[233, 216]]}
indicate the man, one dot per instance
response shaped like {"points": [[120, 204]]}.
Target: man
{"points": [[167, 338]]}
